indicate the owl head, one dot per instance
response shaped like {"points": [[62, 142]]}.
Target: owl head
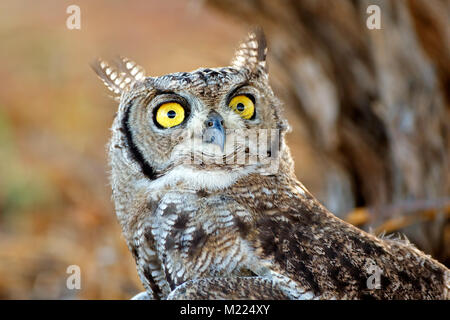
{"points": [[205, 128]]}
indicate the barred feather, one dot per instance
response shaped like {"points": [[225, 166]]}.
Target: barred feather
{"points": [[120, 77], [130, 68], [252, 52]]}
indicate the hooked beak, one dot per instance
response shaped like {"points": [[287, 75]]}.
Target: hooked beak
{"points": [[214, 131]]}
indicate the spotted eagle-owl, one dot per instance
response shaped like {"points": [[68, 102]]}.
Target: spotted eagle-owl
{"points": [[203, 225]]}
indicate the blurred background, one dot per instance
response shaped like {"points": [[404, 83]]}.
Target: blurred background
{"points": [[369, 110]]}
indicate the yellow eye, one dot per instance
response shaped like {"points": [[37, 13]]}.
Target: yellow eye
{"points": [[243, 106], [170, 114]]}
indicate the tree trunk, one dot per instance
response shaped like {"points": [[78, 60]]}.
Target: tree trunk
{"points": [[370, 108]]}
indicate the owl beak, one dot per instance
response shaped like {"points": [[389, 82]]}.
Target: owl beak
{"points": [[214, 131]]}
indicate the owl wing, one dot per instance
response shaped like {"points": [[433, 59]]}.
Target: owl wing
{"points": [[334, 259]]}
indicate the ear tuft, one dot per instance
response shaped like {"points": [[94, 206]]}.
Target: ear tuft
{"points": [[252, 51], [120, 77]]}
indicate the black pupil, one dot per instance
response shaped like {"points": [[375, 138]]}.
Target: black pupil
{"points": [[240, 107], [171, 114]]}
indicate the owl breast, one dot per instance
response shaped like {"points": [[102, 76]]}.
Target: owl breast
{"points": [[197, 235]]}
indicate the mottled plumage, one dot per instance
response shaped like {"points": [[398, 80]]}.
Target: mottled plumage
{"points": [[209, 229]]}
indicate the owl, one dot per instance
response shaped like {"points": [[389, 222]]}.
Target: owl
{"points": [[205, 193]]}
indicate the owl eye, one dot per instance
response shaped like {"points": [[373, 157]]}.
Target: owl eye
{"points": [[170, 114], [243, 105]]}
